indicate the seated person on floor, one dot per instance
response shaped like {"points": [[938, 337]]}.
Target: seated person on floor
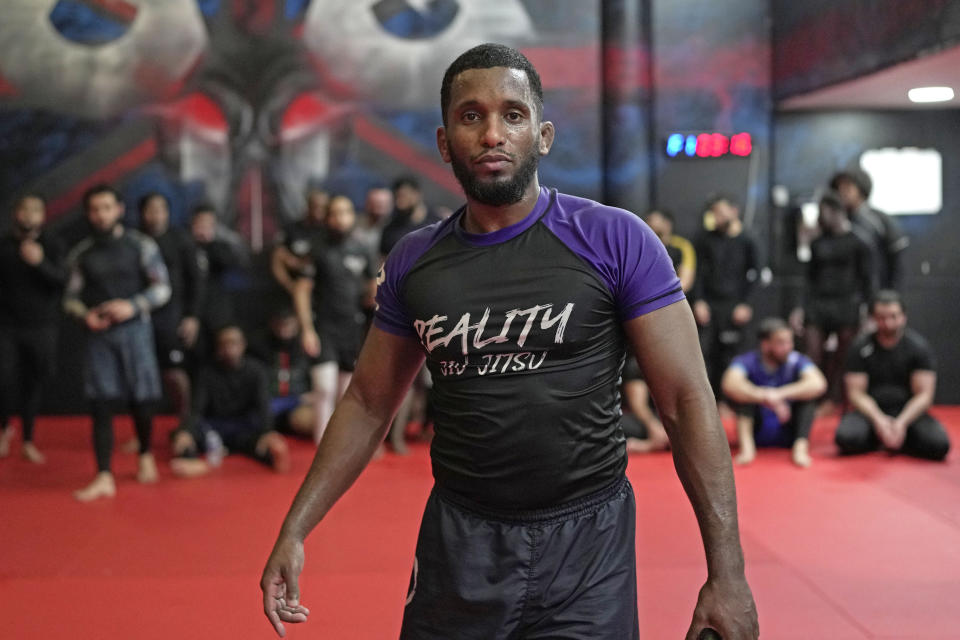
{"points": [[291, 397], [641, 426], [891, 379], [230, 412], [774, 388]]}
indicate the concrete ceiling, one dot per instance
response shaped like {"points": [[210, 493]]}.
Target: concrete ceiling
{"points": [[887, 89]]}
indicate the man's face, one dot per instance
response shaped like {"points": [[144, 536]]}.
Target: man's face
{"points": [[778, 346], [830, 218], [493, 138], [340, 216], [379, 204], [230, 347], [723, 214], [156, 216], [30, 214], [104, 212], [660, 225], [406, 197], [849, 193], [203, 227], [317, 205], [890, 320], [285, 327]]}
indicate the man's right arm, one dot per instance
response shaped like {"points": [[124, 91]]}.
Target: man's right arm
{"points": [[857, 383], [385, 369]]}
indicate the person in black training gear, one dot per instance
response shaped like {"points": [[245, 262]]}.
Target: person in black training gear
{"points": [[32, 276], [117, 278], [839, 281], [231, 413], [523, 303], [410, 213], [175, 324], [293, 245], [884, 236], [891, 380], [331, 302], [727, 272]]}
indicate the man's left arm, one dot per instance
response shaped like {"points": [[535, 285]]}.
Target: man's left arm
{"points": [[666, 345], [923, 384]]}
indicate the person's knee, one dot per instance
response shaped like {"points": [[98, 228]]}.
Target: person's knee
{"points": [[853, 435]]}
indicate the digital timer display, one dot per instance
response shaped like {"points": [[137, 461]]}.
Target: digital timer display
{"points": [[708, 145]]}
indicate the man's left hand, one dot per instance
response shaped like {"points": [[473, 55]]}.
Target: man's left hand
{"points": [[32, 252], [742, 313], [118, 310], [727, 607]]}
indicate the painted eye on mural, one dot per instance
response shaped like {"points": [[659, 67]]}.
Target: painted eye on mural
{"points": [[93, 22], [415, 19]]}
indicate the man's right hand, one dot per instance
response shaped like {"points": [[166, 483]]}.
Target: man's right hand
{"points": [[311, 343], [281, 592], [886, 431], [701, 313], [96, 320]]}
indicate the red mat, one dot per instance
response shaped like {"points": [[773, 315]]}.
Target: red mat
{"points": [[864, 547]]}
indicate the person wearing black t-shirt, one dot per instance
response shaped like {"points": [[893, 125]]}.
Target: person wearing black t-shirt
{"points": [[175, 324], [410, 213], [891, 380], [727, 271], [294, 244], [32, 277], [839, 280], [117, 278], [230, 413], [522, 304], [330, 302]]}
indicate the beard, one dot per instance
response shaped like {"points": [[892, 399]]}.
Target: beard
{"points": [[104, 233], [495, 192]]}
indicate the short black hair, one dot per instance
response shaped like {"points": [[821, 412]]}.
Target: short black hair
{"points": [[716, 198], [147, 197], [487, 56], [886, 296], [406, 181], [96, 190], [770, 326], [202, 208], [664, 213], [859, 177], [833, 200]]}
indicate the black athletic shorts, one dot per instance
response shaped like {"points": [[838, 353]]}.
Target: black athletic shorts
{"points": [[340, 344], [567, 572]]}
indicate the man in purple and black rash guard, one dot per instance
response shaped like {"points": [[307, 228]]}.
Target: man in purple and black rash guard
{"points": [[523, 303]]}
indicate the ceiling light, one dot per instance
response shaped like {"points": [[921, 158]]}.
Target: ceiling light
{"points": [[930, 94]]}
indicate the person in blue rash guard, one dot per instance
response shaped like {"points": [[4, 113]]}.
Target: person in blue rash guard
{"points": [[523, 303], [774, 388]]}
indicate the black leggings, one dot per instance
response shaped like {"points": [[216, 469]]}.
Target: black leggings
{"points": [[926, 437], [102, 412], [27, 357]]}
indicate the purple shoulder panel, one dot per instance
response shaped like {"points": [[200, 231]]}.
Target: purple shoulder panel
{"points": [[627, 256], [391, 315]]}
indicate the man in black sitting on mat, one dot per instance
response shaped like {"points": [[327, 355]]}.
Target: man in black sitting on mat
{"points": [[891, 379], [231, 412], [32, 276]]}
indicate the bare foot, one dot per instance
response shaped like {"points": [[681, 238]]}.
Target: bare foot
{"points": [[6, 437], [801, 454], [102, 486], [189, 467], [276, 447], [147, 469], [31, 453], [746, 455], [131, 446]]}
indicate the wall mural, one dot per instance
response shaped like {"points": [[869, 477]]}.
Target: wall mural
{"points": [[246, 103]]}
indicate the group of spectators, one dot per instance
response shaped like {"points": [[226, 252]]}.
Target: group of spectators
{"points": [[881, 372], [162, 324], [159, 308]]}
